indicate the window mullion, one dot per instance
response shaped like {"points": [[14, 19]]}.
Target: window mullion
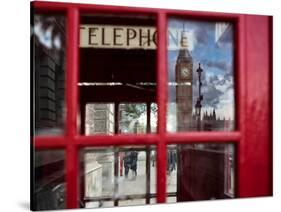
{"points": [[203, 137], [162, 104], [72, 71], [72, 167], [49, 142]]}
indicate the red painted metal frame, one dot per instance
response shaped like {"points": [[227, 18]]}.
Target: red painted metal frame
{"points": [[255, 147], [72, 167], [252, 179], [162, 93]]}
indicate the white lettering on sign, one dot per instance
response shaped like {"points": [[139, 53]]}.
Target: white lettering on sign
{"points": [[129, 37]]}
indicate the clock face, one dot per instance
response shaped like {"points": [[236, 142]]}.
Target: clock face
{"points": [[185, 72]]}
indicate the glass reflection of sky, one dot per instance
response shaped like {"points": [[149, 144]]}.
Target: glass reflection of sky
{"points": [[216, 58]]}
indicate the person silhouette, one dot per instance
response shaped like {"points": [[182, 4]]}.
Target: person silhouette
{"points": [[134, 161], [127, 163]]}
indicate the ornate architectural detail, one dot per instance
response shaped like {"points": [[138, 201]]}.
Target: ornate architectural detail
{"points": [[184, 69]]}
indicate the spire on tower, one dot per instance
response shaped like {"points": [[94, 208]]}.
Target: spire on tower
{"points": [[184, 54], [184, 38], [214, 114]]}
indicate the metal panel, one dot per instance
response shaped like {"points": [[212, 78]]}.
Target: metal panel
{"points": [[255, 149]]}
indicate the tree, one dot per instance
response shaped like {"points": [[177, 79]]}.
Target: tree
{"points": [[131, 114]]}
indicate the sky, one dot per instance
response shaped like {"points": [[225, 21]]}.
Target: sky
{"points": [[216, 59]]}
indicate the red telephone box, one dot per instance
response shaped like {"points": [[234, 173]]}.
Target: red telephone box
{"points": [[212, 163]]}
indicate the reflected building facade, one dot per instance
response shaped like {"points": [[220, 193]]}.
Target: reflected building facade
{"points": [[184, 76], [203, 171], [49, 74], [211, 122]]}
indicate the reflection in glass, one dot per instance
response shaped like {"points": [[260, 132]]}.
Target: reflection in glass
{"points": [[132, 202], [99, 204], [123, 175], [49, 180], [99, 118], [132, 118], [200, 172], [171, 182], [153, 117], [168, 200], [117, 66], [200, 64], [48, 41]]}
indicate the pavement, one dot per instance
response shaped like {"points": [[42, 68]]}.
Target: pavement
{"points": [[137, 185]]}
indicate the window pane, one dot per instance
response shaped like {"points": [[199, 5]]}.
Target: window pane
{"points": [[99, 118], [117, 66], [153, 117], [171, 182], [123, 175], [99, 204], [132, 118], [132, 202], [168, 199], [48, 41], [49, 180], [200, 172], [201, 84]]}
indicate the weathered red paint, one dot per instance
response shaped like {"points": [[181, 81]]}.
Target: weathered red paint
{"points": [[203, 137], [107, 140], [72, 177], [162, 105], [253, 87], [72, 168], [72, 67], [240, 94], [255, 149], [50, 142]]}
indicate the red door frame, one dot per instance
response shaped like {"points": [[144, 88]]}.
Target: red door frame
{"points": [[253, 88]]}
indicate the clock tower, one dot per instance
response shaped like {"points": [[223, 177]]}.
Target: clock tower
{"points": [[183, 75]]}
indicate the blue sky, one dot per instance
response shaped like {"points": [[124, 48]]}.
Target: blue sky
{"points": [[216, 59]]}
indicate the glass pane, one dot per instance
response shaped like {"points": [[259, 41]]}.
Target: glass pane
{"points": [[132, 118], [117, 66], [48, 41], [171, 170], [123, 175], [49, 180], [153, 117], [200, 172], [201, 84], [99, 118], [132, 202], [168, 200], [99, 204]]}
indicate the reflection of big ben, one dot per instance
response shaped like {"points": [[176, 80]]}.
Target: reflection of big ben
{"points": [[184, 113], [184, 85]]}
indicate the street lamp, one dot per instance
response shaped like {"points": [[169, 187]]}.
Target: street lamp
{"points": [[197, 108], [198, 104]]}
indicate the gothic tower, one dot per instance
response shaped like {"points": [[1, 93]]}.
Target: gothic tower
{"points": [[183, 75]]}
